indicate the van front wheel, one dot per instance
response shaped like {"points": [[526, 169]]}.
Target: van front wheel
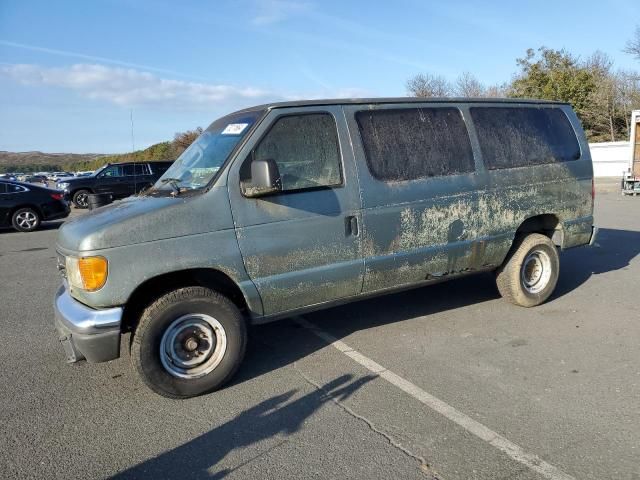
{"points": [[530, 273], [189, 342]]}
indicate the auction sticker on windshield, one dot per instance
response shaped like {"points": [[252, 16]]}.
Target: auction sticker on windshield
{"points": [[234, 128]]}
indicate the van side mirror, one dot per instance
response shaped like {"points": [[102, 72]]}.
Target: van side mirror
{"points": [[265, 179]]}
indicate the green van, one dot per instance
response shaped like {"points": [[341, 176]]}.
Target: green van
{"points": [[289, 207]]}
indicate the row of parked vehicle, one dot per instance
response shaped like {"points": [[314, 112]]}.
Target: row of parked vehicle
{"points": [[24, 205], [119, 180], [27, 201], [41, 176]]}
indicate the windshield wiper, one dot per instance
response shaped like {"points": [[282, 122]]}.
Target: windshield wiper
{"points": [[174, 184]]}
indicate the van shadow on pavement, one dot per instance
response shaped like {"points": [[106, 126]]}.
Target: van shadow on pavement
{"points": [[276, 345], [281, 343], [614, 250], [278, 415]]}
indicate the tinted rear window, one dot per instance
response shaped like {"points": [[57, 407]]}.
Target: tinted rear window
{"points": [[407, 144], [520, 137]]}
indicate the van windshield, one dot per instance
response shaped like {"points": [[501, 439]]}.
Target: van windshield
{"points": [[200, 162]]}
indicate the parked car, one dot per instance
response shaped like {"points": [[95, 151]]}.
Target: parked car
{"points": [[24, 205], [118, 179], [8, 176], [291, 207], [55, 176], [41, 179]]}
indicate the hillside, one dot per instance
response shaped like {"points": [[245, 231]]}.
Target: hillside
{"points": [[31, 161], [39, 161]]}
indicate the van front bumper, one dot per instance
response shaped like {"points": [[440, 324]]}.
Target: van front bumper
{"points": [[86, 333]]}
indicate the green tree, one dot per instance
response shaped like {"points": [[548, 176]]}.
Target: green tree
{"points": [[163, 151], [554, 75]]}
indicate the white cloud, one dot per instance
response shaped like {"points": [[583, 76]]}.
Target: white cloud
{"points": [[93, 58], [134, 88], [129, 87], [274, 11]]}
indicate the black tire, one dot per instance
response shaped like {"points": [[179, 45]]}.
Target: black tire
{"points": [[81, 198], [534, 256], [157, 322], [25, 219]]}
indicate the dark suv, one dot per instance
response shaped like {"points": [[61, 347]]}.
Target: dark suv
{"points": [[118, 179]]}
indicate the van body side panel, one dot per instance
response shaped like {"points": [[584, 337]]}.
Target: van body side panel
{"points": [[425, 229], [296, 246], [515, 194], [198, 233], [416, 230], [215, 250]]}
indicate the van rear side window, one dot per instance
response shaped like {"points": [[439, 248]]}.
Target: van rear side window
{"points": [[521, 137], [412, 143]]}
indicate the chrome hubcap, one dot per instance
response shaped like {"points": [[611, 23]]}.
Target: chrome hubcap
{"points": [[26, 220], [536, 271], [192, 346]]}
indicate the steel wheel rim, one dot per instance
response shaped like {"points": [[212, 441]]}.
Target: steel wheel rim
{"points": [[26, 220], [193, 346], [82, 199], [535, 272]]}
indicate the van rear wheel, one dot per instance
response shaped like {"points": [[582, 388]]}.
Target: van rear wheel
{"points": [[530, 272], [189, 342]]}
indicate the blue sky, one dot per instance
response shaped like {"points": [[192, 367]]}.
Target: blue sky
{"points": [[71, 71]]}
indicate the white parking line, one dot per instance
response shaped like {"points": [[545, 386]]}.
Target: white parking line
{"points": [[514, 451]]}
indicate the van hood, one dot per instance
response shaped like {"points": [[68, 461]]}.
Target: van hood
{"points": [[145, 219]]}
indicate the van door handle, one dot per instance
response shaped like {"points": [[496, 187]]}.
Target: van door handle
{"points": [[351, 225]]}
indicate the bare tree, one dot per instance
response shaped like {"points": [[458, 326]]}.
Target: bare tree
{"points": [[628, 94], [601, 109], [599, 63], [615, 94], [633, 45], [467, 85], [428, 85], [496, 91]]}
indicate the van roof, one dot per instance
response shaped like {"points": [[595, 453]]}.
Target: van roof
{"points": [[383, 100]]}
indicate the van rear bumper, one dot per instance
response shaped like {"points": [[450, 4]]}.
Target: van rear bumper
{"points": [[86, 333], [578, 232], [594, 234]]}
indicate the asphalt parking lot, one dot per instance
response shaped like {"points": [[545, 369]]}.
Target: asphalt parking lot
{"points": [[560, 381]]}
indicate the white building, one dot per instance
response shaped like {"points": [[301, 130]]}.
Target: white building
{"points": [[610, 159]]}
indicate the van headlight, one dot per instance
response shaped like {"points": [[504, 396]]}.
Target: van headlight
{"points": [[87, 273]]}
